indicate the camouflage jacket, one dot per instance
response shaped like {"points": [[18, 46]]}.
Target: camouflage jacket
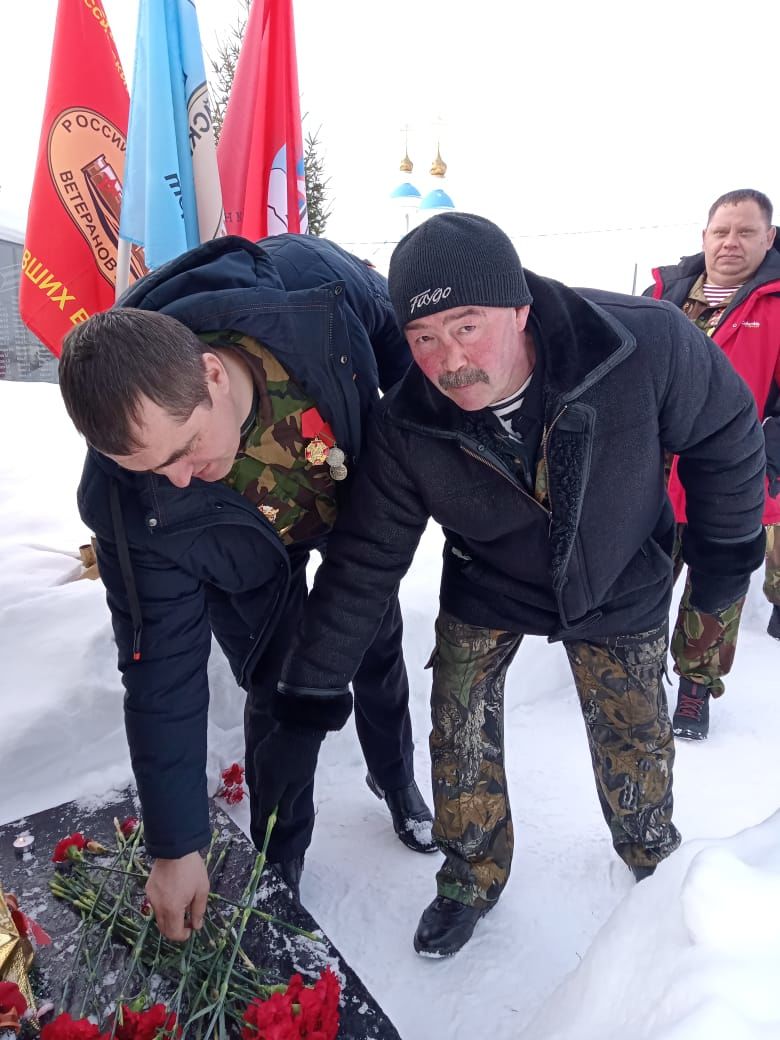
{"points": [[274, 471]]}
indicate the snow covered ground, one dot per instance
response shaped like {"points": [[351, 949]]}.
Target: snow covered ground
{"points": [[574, 950]]}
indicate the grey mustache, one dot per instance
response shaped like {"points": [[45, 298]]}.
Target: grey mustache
{"points": [[463, 377]]}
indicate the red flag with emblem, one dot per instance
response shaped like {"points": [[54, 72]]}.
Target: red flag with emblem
{"points": [[70, 243], [260, 150]]}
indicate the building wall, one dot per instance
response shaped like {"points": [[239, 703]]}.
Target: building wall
{"points": [[22, 356]]}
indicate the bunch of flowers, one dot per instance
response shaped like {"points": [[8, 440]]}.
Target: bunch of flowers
{"points": [[300, 1012], [151, 1024], [232, 786], [206, 987]]}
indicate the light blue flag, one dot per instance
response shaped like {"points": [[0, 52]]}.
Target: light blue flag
{"points": [[171, 198]]}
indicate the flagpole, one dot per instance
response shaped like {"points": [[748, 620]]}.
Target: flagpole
{"points": [[122, 267]]}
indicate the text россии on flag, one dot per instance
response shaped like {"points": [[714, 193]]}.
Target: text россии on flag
{"points": [[70, 246], [172, 199], [260, 149]]}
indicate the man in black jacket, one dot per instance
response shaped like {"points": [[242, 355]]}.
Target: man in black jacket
{"points": [[223, 403], [532, 428]]}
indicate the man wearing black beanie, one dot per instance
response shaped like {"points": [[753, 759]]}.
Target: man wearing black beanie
{"points": [[533, 428]]}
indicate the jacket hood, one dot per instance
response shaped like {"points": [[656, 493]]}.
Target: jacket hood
{"points": [[222, 264]]}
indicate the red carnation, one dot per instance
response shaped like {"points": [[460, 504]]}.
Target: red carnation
{"points": [[62, 849], [232, 786], [232, 794], [66, 1028], [233, 775], [147, 1025], [270, 1019], [320, 1008], [300, 1013], [11, 998], [128, 826]]}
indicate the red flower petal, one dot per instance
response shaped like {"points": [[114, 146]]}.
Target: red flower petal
{"points": [[66, 1028], [233, 795], [11, 998], [61, 849], [233, 775], [128, 826], [147, 1025]]}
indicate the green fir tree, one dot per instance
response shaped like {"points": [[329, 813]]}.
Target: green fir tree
{"points": [[316, 185], [224, 68]]}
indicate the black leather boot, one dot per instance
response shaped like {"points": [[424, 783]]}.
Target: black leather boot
{"points": [[445, 927], [290, 871], [773, 628], [412, 820]]}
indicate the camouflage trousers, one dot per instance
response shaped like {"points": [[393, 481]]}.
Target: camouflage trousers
{"points": [[623, 702], [703, 645]]}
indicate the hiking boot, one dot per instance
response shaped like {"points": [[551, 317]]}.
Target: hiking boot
{"points": [[691, 718], [412, 820], [445, 926], [290, 871], [773, 628]]}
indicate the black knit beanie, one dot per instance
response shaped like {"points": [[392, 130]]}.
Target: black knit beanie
{"points": [[455, 260]]}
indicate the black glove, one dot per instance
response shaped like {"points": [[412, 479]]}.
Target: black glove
{"points": [[772, 439], [285, 761], [713, 593]]}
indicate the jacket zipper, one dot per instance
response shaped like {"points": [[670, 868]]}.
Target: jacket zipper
{"points": [[506, 476], [545, 439]]}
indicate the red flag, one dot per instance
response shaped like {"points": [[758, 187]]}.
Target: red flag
{"points": [[70, 245], [260, 150]]}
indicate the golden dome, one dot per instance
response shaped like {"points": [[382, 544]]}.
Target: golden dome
{"points": [[439, 167], [406, 163]]}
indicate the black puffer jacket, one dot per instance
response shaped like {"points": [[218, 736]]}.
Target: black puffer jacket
{"points": [[625, 380], [182, 563]]}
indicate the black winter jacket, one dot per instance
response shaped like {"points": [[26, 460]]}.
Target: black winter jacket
{"points": [[624, 380], [182, 563]]}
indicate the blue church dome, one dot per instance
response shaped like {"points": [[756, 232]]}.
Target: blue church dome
{"points": [[437, 199], [405, 191]]}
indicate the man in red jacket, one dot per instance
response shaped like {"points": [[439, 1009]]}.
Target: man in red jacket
{"points": [[731, 290]]}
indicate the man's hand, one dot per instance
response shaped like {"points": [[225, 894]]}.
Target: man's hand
{"points": [[285, 761], [178, 890]]}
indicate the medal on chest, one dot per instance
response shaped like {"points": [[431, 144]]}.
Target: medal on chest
{"points": [[321, 444]]}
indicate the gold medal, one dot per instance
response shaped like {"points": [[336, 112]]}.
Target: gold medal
{"points": [[316, 452]]}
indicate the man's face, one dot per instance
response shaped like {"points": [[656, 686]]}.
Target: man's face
{"points": [[474, 355], [204, 445], [735, 242]]}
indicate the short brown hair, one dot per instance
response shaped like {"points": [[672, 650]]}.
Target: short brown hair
{"points": [[733, 198], [119, 356]]}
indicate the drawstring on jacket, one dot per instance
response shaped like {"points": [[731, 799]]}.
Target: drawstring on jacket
{"points": [[126, 567]]}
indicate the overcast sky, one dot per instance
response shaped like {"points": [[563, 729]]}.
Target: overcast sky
{"points": [[562, 121]]}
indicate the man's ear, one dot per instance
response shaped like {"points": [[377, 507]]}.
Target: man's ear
{"points": [[521, 317], [770, 238], [214, 371]]}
